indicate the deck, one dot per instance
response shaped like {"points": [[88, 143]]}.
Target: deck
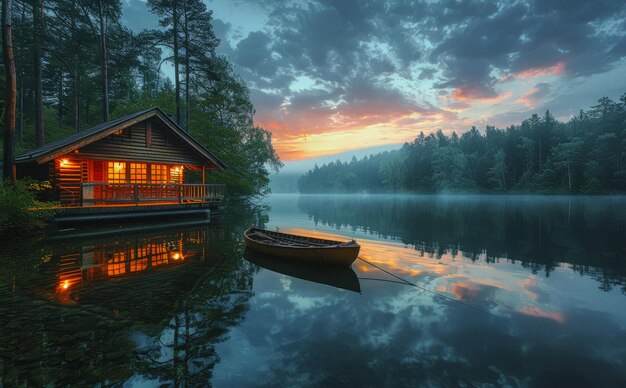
{"points": [[100, 194], [133, 208], [113, 203]]}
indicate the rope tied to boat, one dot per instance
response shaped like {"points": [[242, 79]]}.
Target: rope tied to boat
{"points": [[427, 290]]}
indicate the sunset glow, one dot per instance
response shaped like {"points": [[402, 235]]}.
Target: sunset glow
{"points": [[452, 279], [382, 74]]}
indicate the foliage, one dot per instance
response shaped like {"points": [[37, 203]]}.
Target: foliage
{"points": [[585, 155], [20, 211], [217, 108]]}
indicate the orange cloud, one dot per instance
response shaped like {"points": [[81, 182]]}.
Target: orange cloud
{"points": [[317, 134], [464, 291], [470, 95], [323, 127], [532, 97], [557, 69]]}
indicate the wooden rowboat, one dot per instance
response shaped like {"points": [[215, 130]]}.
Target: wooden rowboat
{"points": [[308, 249]]}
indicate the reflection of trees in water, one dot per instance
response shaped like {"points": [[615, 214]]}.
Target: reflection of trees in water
{"points": [[540, 233], [184, 352], [163, 325]]}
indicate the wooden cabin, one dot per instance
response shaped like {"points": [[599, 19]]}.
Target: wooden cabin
{"points": [[143, 158]]}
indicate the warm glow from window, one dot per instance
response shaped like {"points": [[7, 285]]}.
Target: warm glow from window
{"points": [[158, 173], [65, 285], [138, 173], [176, 256], [64, 162], [117, 264], [176, 174], [116, 172]]}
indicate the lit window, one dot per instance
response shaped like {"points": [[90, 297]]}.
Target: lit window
{"points": [[139, 265], [138, 173], [159, 255], [116, 172], [116, 265], [158, 173], [176, 174]]}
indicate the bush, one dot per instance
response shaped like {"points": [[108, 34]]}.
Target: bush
{"points": [[20, 211]]}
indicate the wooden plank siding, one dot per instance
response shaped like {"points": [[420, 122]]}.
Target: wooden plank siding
{"points": [[88, 164], [68, 178], [132, 145], [148, 137]]}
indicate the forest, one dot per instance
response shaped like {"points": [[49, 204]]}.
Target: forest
{"points": [[77, 65], [541, 155]]}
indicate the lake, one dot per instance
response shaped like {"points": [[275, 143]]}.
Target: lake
{"points": [[449, 290]]}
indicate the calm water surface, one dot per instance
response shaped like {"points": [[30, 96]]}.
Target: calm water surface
{"points": [[518, 291]]}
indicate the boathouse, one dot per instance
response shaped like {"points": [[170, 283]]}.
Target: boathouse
{"points": [[140, 159]]}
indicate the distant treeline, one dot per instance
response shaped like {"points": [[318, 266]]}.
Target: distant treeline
{"points": [[542, 155]]}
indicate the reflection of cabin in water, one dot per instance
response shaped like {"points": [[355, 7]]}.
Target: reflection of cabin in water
{"points": [[140, 159], [110, 271]]}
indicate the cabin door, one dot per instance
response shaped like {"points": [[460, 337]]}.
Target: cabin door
{"points": [[97, 175]]}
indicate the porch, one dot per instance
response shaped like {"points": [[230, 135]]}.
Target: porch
{"points": [[98, 194]]}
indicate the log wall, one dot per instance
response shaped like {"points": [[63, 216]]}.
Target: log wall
{"points": [[131, 144]]}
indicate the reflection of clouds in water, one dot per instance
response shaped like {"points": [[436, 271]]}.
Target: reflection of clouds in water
{"points": [[532, 289], [556, 330], [286, 283], [405, 336], [537, 312], [493, 286], [306, 303]]}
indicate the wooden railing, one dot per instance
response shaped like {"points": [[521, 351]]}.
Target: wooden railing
{"points": [[94, 193]]}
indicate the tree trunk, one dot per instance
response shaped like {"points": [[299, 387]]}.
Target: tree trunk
{"points": [[37, 38], [60, 97], [75, 79], [176, 71], [104, 66], [87, 106], [186, 27], [11, 92], [76, 100], [20, 128], [569, 177]]}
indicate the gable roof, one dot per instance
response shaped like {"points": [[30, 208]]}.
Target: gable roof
{"points": [[75, 141]]}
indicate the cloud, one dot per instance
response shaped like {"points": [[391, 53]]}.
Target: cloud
{"points": [[253, 52], [350, 65], [539, 313], [534, 95], [427, 73]]}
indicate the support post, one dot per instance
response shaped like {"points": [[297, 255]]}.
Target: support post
{"points": [[204, 190]]}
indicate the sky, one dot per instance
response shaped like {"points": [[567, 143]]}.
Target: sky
{"points": [[330, 76]]}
